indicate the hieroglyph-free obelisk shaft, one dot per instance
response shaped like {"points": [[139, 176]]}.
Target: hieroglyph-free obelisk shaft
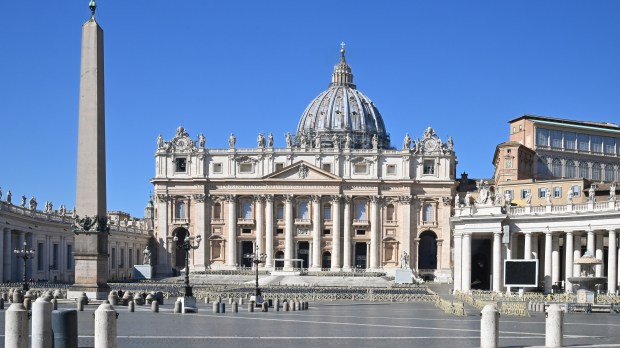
{"points": [[91, 230]]}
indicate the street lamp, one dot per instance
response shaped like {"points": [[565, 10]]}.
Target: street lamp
{"points": [[187, 246], [257, 258], [24, 253]]}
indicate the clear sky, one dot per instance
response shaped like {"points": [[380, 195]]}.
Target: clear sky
{"points": [[464, 68]]}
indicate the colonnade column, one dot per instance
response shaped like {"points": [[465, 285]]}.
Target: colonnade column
{"points": [[288, 231], [346, 257], [259, 223], [200, 227], [466, 262], [590, 245], [612, 271], [163, 267], [555, 259], [3, 251], [568, 264], [336, 233], [269, 230], [231, 257], [374, 233], [21, 238], [316, 232], [497, 261], [576, 254], [548, 262], [456, 264], [598, 253], [527, 246]]}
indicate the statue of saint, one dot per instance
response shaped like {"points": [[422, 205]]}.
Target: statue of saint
{"points": [[201, 141], [0, 193], [302, 141], [569, 196], [612, 191], [468, 199], [347, 141], [147, 256], [483, 192], [407, 142], [457, 200], [548, 196], [33, 203], [404, 260], [9, 196], [23, 203], [232, 140], [160, 142], [450, 144], [375, 141], [289, 141], [270, 140], [507, 197], [591, 194], [317, 142], [528, 198]]}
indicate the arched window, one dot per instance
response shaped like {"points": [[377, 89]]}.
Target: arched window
{"points": [[303, 209], [217, 211], [583, 170], [596, 172], [556, 167], [609, 172], [246, 209], [570, 169], [427, 213], [180, 211], [389, 212], [360, 210]]}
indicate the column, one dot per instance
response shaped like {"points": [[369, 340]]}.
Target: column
{"points": [[269, 230], [548, 264], [21, 238], [259, 223], [576, 254], [590, 245], [612, 271], [2, 231], [163, 268], [374, 233], [527, 246], [535, 246], [7, 259], [200, 262], [568, 264], [346, 257], [231, 254], [457, 265], [466, 262], [497, 261], [288, 232], [555, 259], [598, 269], [316, 232], [405, 231], [336, 233]]}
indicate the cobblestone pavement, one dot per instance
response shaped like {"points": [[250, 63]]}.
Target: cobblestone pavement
{"points": [[337, 324]]}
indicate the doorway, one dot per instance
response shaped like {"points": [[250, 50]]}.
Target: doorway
{"points": [[279, 264], [480, 264], [327, 260], [303, 251], [360, 255], [247, 249]]}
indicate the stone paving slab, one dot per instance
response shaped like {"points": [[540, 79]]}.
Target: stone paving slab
{"points": [[337, 324]]}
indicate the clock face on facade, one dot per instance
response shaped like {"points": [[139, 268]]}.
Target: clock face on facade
{"points": [[430, 145]]}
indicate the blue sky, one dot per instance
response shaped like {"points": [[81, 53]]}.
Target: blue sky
{"points": [[463, 67]]}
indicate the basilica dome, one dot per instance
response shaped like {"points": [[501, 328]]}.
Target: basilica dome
{"points": [[342, 112]]}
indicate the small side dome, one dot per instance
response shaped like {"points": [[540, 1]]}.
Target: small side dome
{"points": [[342, 110]]}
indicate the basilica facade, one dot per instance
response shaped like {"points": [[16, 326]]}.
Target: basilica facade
{"points": [[339, 196]]}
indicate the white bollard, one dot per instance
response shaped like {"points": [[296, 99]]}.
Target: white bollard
{"points": [[131, 306], [554, 328], [16, 325], [105, 326], [42, 323], [489, 327]]}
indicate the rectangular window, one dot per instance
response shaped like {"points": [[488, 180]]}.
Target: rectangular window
{"points": [[280, 212], [556, 139], [557, 192], [327, 167], [361, 168], [609, 145], [360, 232], [524, 193], [246, 231], [55, 256], [181, 165], [327, 212], [113, 258], [583, 142], [246, 168], [391, 169], [217, 168], [570, 140], [508, 162], [542, 137], [279, 166], [542, 192], [69, 256], [576, 190], [597, 143], [40, 256], [122, 255], [280, 231], [327, 232], [429, 167]]}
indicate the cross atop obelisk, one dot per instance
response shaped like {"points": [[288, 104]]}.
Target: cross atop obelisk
{"points": [[90, 227]]}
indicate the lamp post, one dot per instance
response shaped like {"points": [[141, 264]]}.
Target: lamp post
{"points": [[257, 259], [187, 246], [24, 253]]}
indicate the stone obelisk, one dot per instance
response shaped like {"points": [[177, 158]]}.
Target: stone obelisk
{"points": [[90, 227]]}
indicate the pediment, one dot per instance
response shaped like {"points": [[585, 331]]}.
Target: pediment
{"points": [[302, 171]]}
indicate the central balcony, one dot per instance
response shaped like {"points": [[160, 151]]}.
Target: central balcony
{"points": [[303, 222], [245, 222]]}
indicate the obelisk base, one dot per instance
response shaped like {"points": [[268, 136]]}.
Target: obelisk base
{"points": [[90, 276]]}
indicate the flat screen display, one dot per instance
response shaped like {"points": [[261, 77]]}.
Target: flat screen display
{"points": [[521, 273]]}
